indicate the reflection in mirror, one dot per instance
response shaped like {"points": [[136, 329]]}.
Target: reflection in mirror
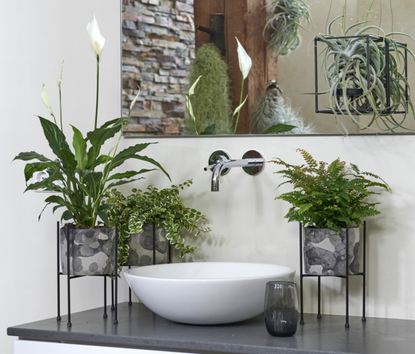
{"points": [[158, 46]]}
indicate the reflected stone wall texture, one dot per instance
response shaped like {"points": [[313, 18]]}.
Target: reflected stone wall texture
{"points": [[157, 48]]}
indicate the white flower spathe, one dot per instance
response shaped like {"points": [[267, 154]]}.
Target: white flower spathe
{"points": [[96, 40], [245, 62]]}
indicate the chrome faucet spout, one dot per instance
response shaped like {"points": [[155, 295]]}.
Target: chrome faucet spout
{"points": [[222, 163]]}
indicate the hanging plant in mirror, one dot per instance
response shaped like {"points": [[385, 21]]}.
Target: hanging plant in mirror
{"points": [[281, 30], [366, 75]]}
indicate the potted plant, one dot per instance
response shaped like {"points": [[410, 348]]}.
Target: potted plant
{"points": [[138, 212], [79, 178], [282, 26], [327, 198], [365, 74]]}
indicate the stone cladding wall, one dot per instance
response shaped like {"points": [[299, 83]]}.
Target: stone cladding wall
{"points": [[158, 44]]}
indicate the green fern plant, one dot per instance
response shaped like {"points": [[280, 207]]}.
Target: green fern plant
{"points": [[329, 195], [211, 100]]}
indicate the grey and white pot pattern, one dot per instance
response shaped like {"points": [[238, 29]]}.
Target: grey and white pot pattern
{"points": [[325, 251], [91, 251], [142, 245]]}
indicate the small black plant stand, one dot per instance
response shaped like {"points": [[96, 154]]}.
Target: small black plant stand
{"points": [[154, 259], [114, 280], [346, 276]]}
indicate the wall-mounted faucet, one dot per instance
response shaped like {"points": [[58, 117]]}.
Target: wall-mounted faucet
{"points": [[220, 164]]}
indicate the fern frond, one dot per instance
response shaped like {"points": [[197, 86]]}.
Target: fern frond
{"points": [[308, 158]]}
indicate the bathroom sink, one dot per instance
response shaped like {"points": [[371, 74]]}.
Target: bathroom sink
{"points": [[205, 293]]}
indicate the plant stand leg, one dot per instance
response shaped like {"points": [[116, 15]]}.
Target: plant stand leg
{"points": [[58, 273], [112, 294], [364, 273], [301, 275], [129, 293], [69, 324], [319, 298], [347, 277], [105, 297], [116, 275]]}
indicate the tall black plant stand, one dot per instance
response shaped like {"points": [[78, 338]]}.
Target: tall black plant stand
{"points": [[346, 277], [154, 260], [69, 277]]}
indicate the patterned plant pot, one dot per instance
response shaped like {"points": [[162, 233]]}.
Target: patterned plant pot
{"points": [[91, 251], [325, 251], [142, 247]]}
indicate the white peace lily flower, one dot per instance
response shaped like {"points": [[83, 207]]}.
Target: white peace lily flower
{"points": [[192, 89], [245, 62], [46, 100], [60, 75], [96, 40]]}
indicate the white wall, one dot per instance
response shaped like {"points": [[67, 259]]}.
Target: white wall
{"points": [[247, 224], [35, 37]]}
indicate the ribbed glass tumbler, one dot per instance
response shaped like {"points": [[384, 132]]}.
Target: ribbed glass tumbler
{"points": [[281, 308]]}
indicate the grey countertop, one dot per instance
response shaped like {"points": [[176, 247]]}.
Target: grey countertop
{"points": [[138, 327]]}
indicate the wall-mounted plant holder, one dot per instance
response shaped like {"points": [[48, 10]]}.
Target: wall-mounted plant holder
{"points": [[345, 276], [355, 101]]}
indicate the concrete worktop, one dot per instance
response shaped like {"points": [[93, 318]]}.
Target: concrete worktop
{"points": [[138, 327]]}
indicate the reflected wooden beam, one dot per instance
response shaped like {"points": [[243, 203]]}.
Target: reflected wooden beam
{"points": [[244, 19]]}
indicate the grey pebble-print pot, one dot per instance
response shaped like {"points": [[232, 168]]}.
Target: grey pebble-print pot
{"points": [[91, 251]]}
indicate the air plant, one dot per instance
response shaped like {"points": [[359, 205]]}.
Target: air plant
{"points": [[272, 115], [348, 67], [283, 25]]}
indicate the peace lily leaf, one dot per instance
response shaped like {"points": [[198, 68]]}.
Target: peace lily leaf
{"points": [[237, 109], [279, 128], [210, 130], [79, 144]]}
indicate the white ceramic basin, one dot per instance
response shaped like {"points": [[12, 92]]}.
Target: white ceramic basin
{"points": [[205, 293]]}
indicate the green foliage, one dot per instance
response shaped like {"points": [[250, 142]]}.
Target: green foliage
{"points": [[211, 102], [75, 174], [329, 195], [346, 66], [164, 208], [283, 25]]}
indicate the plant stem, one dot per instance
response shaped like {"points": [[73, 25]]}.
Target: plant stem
{"points": [[96, 104], [240, 102], [60, 106]]}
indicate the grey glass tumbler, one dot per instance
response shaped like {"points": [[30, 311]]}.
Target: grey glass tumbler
{"points": [[281, 308]]}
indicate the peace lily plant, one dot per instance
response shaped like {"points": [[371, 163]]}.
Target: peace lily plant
{"points": [[81, 176], [245, 64]]}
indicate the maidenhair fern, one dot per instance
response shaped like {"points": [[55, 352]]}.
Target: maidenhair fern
{"points": [[211, 100]]}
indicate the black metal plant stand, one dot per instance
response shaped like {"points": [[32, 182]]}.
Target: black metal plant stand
{"points": [[346, 277], [114, 280], [154, 259]]}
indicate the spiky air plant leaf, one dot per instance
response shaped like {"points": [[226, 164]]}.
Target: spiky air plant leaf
{"points": [[347, 67], [282, 27], [271, 111]]}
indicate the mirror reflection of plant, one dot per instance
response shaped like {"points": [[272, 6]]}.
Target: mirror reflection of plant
{"points": [[82, 177], [283, 25], [345, 65], [211, 100], [163, 207], [329, 195], [208, 95]]}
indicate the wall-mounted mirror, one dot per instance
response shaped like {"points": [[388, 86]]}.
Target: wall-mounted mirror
{"points": [[159, 41]]}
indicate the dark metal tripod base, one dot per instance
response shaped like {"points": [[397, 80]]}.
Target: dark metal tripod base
{"points": [[154, 260], [69, 277], [363, 274]]}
